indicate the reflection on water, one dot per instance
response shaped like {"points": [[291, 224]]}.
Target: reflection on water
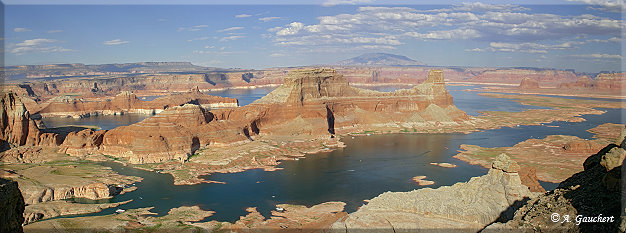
{"points": [[245, 96], [104, 122], [367, 167]]}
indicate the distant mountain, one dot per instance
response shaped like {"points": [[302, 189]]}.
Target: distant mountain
{"points": [[380, 59]]}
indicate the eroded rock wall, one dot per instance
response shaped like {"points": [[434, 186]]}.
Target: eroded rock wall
{"points": [[313, 102]]}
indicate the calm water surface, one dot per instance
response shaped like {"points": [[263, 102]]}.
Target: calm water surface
{"points": [[104, 122], [367, 167], [245, 96]]}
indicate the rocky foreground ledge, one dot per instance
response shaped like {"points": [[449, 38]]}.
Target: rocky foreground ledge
{"points": [[497, 202], [467, 206]]}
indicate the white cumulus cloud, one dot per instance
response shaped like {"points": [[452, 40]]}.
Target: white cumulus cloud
{"points": [[510, 28]]}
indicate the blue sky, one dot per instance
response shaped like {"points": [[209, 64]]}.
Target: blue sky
{"points": [[584, 35]]}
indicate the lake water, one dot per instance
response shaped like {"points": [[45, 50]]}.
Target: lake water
{"points": [[104, 122], [468, 101], [245, 96], [367, 167]]}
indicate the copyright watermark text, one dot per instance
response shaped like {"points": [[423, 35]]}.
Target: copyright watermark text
{"points": [[555, 217]]}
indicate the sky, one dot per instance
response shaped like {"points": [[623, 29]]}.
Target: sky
{"points": [[585, 35]]}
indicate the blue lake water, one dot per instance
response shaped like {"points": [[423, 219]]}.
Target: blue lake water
{"points": [[470, 101], [367, 167], [245, 96], [104, 122]]}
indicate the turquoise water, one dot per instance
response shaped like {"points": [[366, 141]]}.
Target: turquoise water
{"points": [[367, 167]]}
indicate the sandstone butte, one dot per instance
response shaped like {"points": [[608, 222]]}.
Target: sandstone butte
{"points": [[313, 102], [529, 83], [163, 83]]}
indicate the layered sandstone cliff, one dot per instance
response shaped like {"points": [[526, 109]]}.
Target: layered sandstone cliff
{"points": [[150, 84], [328, 102], [313, 102], [605, 82], [127, 102], [170, 135], [16, 126], [467, 206]]}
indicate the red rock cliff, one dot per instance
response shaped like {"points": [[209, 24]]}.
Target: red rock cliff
{"points": [[315, 102], [16, 126]]}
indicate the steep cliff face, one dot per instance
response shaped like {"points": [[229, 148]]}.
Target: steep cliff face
{"points": [[170, 135], [16, 126], [594, 192], [312, 102], [12, 206], [325, 100], [464, 206]]}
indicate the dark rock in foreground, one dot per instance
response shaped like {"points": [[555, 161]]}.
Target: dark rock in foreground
{"points": [[11, 206], [590, 200]]}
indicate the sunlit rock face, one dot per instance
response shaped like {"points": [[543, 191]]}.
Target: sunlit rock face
{"points": [[16, 126], [466, 206], [312, 102]]}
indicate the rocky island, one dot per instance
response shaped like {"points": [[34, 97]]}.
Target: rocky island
{"points": [[193, 134]]}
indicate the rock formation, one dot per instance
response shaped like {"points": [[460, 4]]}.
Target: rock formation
{"points": [[465, 206], [313, 102], [605, 82], [596, 191], [16, 126], [12, 206], [84, 142], [529, 83], [547, 77], [174, 134], [127, 102]]}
